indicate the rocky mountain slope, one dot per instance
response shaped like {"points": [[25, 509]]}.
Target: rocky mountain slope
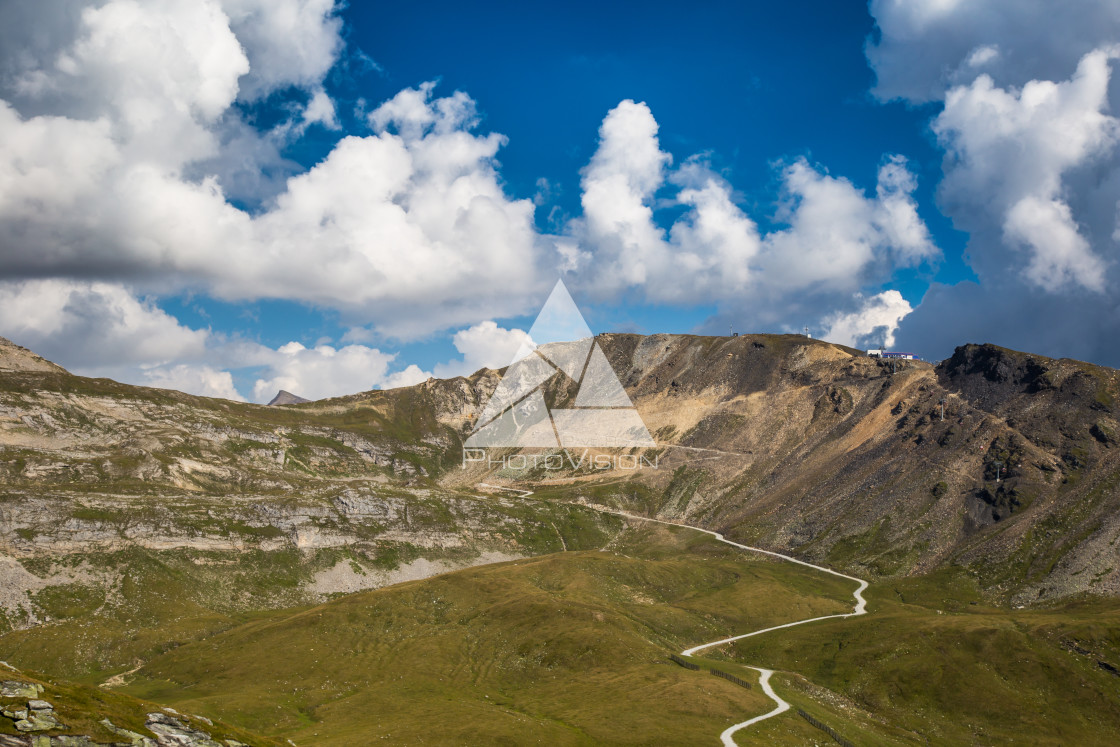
{"points": [[142, 506], [16, 358], [787, 442], [999, 461]]}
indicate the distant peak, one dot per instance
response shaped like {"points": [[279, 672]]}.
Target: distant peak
{"points": [[287, 398]]}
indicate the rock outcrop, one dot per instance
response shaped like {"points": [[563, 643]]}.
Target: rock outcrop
{"points": [[40, 725]]}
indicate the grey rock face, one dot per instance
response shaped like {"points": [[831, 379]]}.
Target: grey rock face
{"points": [[16, 689], [171, 732], [39, 716], [134, 739]]}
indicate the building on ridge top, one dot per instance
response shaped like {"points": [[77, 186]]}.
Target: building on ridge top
{"points": [[880, 353]]}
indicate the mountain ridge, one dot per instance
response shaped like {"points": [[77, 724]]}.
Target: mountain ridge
{"points": [[825, 451], [18, 358]]}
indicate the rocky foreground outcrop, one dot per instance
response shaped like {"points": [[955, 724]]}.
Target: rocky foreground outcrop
{"points": [[22, 704]]}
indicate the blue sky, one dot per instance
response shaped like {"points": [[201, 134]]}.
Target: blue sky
{"points": [[748, 84], [767, 165]]}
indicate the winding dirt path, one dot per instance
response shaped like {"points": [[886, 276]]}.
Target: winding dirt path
{"points": [[764, 683], [764, 674], [781, 706]]}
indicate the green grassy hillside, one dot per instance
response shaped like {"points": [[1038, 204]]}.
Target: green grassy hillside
{"points": [[117, 607], [565, 649], [934, 661], [572, 649]]}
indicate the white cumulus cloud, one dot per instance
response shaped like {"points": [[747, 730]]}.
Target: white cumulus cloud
{"points": [[873, 324], [96, 328], [832, 238], [1031, 168], [408, 227], [199, 379], [927, 46], [836, 236], [483, 345], [288, 42], [325, 371], [124, 160], [1008, 153], [103, 330]]}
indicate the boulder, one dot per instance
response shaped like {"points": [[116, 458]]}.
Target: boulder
{"points": [[16, 689]]}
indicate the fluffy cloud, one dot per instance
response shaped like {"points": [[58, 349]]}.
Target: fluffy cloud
{"points": [[412, 216], [156, 76], [288, 42], [124, 158], [101, 329], [98, 329], [121, 149], [837, 239], [713, 244], [203, 380], [410, 226], [1008, 152], [160, 77], [872, 325], [925, 47], [1031, 171], [79, 52], [707, 251], [324, 371], [1060, 255], [485, 345]]}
